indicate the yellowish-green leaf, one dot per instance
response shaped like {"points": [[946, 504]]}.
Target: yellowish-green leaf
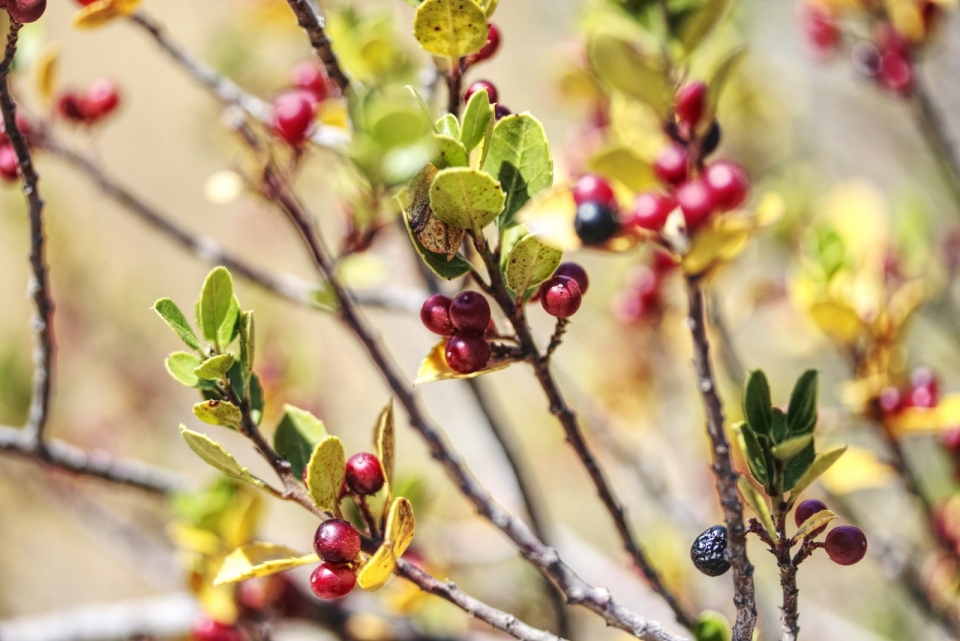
{"points": [[821, 464], [172, 316], [450, 151], [248, 340], [721, 242], [837, 319], [490, 7], [476, 117], [623, 67], [859, 469], [758, 504], [466, 198], [215, 367], [624, 165], [814, 522], [222, 413], [260, 559], [530, 262], [376, 570], [216, 301], [384, 441], [791, 447], [518, 154], [451, 28], [697, 25], [325, 474], [435, 241], [449, 126], [400, 526], [434, 367], [181, 366], [214, 454], [718, 82]]}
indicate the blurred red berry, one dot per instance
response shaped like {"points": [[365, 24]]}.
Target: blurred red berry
{"points": [[671, 165], [592, 188], [206, 629], [651, 209], [696, 202], [819, 28], [481, 85], [9, 165], [101, 99], [309, 77], [728, 184], [690, 103], [293, 117]]}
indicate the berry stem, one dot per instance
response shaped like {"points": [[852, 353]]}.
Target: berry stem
{"points": [[368, 517], [557, 338], [744, 594]]}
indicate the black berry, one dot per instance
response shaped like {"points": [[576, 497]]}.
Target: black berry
{"points": [[470, 313], [364, 474], [595, 223], [709, 551], [337, 541], [711, 141]]}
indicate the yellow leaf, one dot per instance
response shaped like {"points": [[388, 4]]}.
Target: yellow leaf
{"points": [[837, 320], [385, 442], [95, 14], [376, 570], [333, 113], [770, 209], [260, 559], [187, 537], [905, 301], [325, 473], [126, 7], [241, 519], [43, 73], [814, 522], [946, 415], [434, 367], [219, 602], [858, 469], [451, 28], [400, 526], [723, 241], [621, 163], [757, 503]]}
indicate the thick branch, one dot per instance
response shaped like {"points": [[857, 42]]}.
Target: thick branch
{"points": [[744, 598], [312, 23]]}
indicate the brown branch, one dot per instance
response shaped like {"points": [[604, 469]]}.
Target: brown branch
{"points": [[312, 23], [935, 133], [744, 597]]}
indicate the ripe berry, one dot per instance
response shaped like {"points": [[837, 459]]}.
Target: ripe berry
{"points": [[101, 99], [309, 77], [950, 439], [364, 474], [72, 107], [709, 551], [924, 391], [594, 189], [651, 209], [728, 184], [467, 354], [85, 2], [484, 85], [9, 165], [595, 224], [896, 72], [671, 165], [470, 313], [695, 202], [292, 117], [337, 541], [690, 103], [711, 141], [576, 272], [206, 629], [499, 111], [820, 29], [435, 315], [488, 50], [332, 580], [805, 510], [890, 400], [561, 296], [26, 10], [845, 545]]}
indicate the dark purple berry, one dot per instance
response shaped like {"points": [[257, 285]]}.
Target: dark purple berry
{"points": [[576, 272], [595, 223], [332, 580], [337, 541], [709, 551], [500, 111], [805, 510], [435, 315], [484, 85], [25, 11], [470, 313], [711, 141], [561, 296], [364, 474], [467, 354], [845, 545]]}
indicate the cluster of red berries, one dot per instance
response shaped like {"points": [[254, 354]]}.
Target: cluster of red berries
{"points": [[91, 106], [488, 51], [845, 544], [25, 11], [923, 392], [643, 299], [466, 319], [294, 111], [562, 294]]}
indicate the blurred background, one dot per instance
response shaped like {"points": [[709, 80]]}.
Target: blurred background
{"points": [[816, 133]]}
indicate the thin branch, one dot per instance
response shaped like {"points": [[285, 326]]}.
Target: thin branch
{"points": [[744, 597], [312, 23], [39, 282], [936, 134], [571, 427]]}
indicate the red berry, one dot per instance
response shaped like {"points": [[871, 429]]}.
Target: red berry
{"points": [[484, 85], [435, 315], [925, 377], [561, 296], [293, 117], [728, 184], [309, 77], [924, 389], [206, 629], [690, 103], [85, 2], [364, 474], [488, 50], [594, 189], [470, 313], [491, 330], [695, 202], [72, 107], [671, 164], [467, 354], [663, 262], [9, 165], [337, 541], [896, 72], [101, 99], [890, 400], [805, 510], [820, 28], [651, 209], [576, 272], [845, 545], [26, 10], [332, 580], [950, 439]]}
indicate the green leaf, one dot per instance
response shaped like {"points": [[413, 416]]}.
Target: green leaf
{"points": [[757, 407], [791, 447], [821, 464], [424, 108], [214, 454], [449, 126], [624, 165], [718, 82], [476, 117], [489, 6], [450, 152], [711, 626], [236, 376], [531, 262], [692, 27], [325, 472], [230, 328], [754, 454], [520, 158], [814, 522], [802, 412], [623, 67], [758, 504], [256, 398], [180, 366], [215, 368], [297, 434], [222, 413], [215, 305], [433, 234], [798, 466], [172, 316], [466, 198], [248, 340], [451, 28]]}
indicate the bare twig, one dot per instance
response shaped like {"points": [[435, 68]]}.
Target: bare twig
{"points": [[312, 23], [744, 598], [935, 133]]}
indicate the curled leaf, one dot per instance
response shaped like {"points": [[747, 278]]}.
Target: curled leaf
{"points": [[821, 464], [384, 441], [215, 368], [260, 559], [222, 413], [814, 522]]}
